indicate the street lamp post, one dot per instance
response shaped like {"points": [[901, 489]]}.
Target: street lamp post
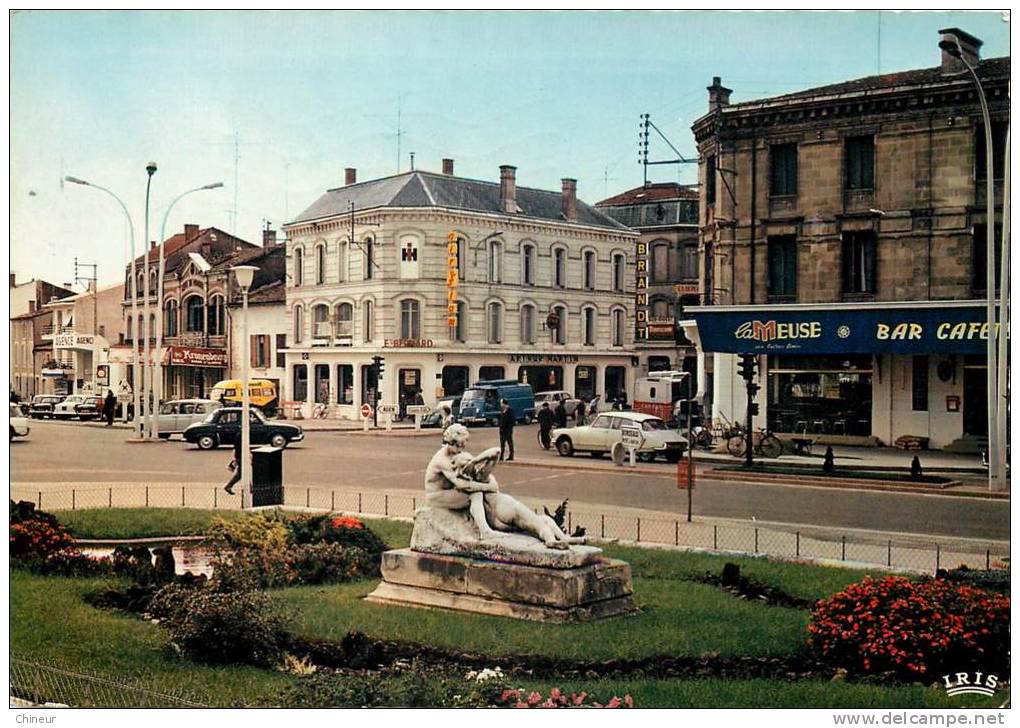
{"points": [[159, 299], [134, 294], [244, 275], [950, 43], [147, 403]]}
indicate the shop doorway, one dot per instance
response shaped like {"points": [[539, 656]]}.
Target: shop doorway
{"points": [[615, 384], [541, 379], [321, 383], [410, 385], [300, 382], [455, 380], [975, 401], [584, 383], [368, 384]]}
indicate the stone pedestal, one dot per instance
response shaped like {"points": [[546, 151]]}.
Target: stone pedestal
{"points": [[598, 588]]}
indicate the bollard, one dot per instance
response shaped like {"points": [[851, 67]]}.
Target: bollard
{"points": [[39, 500], [988, 559], [938, 558], [569, 529], [364, 424], [389, 423], [414, 505]]}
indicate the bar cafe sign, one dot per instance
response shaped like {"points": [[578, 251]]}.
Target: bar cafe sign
{"points": [[920, 330]]}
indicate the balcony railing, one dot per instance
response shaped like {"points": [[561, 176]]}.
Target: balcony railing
{"points": [[51, 330]]}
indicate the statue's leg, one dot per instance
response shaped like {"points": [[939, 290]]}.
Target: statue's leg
{"points": [[560, 534], [477, 508]]}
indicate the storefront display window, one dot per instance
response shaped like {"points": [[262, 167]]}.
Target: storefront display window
{"points": [[820, 394], [301, 382], [488, 373]]}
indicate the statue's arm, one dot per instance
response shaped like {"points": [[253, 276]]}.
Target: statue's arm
{"points": [[466, 485]]}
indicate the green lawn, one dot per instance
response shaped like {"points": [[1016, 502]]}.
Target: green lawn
{"points": [[51, 623]]}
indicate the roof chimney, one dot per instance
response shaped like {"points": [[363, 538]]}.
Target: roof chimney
{"points": [[508, 188], [190, 232], [268, 238], [350, 176], [448, 167], [951, 62], [569, 203], [718, 95]]}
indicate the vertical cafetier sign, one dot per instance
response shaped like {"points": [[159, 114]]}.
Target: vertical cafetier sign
{"points": [[452, 278], [641, 291]]}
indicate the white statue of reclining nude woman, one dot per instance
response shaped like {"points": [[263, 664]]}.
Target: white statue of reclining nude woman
{"points": [[456, 480]]}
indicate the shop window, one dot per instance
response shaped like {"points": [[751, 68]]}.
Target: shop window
{"points": [[486, 374], [527, 324], [455, 380], [344, 384], [919, 384], [979, 258], [495, 322], [588, 326], [195, 311], [322, 383], [281, 345], [820, 394], [589, 270], [860, 163], [619, 271], [369, 382], [999, 129], [658, 364], [410, 319], [301, 382], [560, 268], [859, 263], [584, 382], [528, 265], [783, 172], [782, 261], [615, 384]]}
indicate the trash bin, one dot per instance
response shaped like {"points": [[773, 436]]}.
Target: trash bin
{"points": [[267, 476]]}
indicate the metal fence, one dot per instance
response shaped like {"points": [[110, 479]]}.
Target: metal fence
{"points": [[915, 554], [33, 683]]}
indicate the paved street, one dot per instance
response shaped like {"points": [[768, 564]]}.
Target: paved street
{"points": [[69, 452]]}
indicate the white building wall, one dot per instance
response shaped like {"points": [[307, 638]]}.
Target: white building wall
{"points": [[268, 319]]}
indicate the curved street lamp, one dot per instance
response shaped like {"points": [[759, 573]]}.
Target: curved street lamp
{"points": [[134, 296], [950, 43], [159, 300]]}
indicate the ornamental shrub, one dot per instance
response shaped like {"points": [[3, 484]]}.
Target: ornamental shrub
{"points": [[26, 511], [315, 563], [221, 627], [34, 538], [256, 532], [915, 629], [345, 530]]}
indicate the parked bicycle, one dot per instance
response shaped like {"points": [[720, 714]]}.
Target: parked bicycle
{"points": [[764, 443]]}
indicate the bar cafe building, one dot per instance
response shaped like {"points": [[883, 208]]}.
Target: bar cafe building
{"points": [[862, 373]]}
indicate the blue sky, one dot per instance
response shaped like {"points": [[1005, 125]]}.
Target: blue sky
{"points": [[99, 94]]}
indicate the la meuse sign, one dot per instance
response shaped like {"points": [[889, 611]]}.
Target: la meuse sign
{"points": [[920, 330]]}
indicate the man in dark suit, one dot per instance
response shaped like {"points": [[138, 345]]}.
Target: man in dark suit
{"points": [[545, 425], [560, 414], [507, 419]]}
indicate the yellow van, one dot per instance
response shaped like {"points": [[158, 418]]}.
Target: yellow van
{"points": [[261, 393]]}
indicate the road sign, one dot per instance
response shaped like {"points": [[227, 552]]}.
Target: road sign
{"points": [[366, 410], [388, 409], [632, 437], [418, 409]]}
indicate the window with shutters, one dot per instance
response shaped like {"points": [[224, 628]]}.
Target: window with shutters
{"points": [[998, 150], [259, 351], [560, 267], [410, 319], [528, 265], [859, 263], [860, 163], [368, 321], [281, 345], [527, 324], [299, 267], [589, 270], [588, 326], [495, 261], [495, 323], [710, 179], [320, 264], [782, 262], [619, 322], [619, 271], [783, 173]]}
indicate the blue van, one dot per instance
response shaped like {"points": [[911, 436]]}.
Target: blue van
{"points": [[480, 403]]}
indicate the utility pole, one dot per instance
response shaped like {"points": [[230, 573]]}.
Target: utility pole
{"points": [[90, 280], [643, 134]]}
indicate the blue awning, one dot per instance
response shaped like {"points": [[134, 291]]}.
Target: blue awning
{"points": [[922, 327]]}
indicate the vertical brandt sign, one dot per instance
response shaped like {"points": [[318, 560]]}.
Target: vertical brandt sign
{"points": [[452, 278], [641, 291]]}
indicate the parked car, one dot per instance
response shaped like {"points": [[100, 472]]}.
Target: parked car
{"points": [[82, 406], [570, 402], [42, 405], [480, 403], [606, 430], [19, 423], [223, 427], [177, 415], [435, 417]]}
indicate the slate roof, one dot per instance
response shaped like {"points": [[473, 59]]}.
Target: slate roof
{"points": [[222, 245], [989, 68], [654, 192], [274, 292], [428, 189]]}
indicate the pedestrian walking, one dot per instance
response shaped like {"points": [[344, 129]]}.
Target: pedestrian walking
{"points": [[579, 413], [109, 407], [235, 466], [593, 408], [447, 417], [507, 419], [545, 425], [560, 414]]}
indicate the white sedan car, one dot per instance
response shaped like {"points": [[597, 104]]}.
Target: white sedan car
{"points": [[19, 423], [606, 430]]}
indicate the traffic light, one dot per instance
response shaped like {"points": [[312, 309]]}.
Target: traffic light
{"points": [[754, 409], [747, 366], [379, 363]]}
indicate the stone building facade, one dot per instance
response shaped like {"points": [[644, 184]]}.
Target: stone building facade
{"points": [[454, 281], [843, 240], [665, 214]]}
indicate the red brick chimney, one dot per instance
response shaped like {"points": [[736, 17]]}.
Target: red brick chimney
{"points": [[508, 188], [350, 176], [569, 203], [190, 232], [448, 166], [718, 95], [970, 46]]}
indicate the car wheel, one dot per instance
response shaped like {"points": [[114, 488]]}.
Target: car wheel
{"points": [[278, 440], [565, 447], [646, 457], [207, 442]]}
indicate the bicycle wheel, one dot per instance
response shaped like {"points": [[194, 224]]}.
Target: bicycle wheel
{"points": [[703, 439], [736, 446], [771, 446]]}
